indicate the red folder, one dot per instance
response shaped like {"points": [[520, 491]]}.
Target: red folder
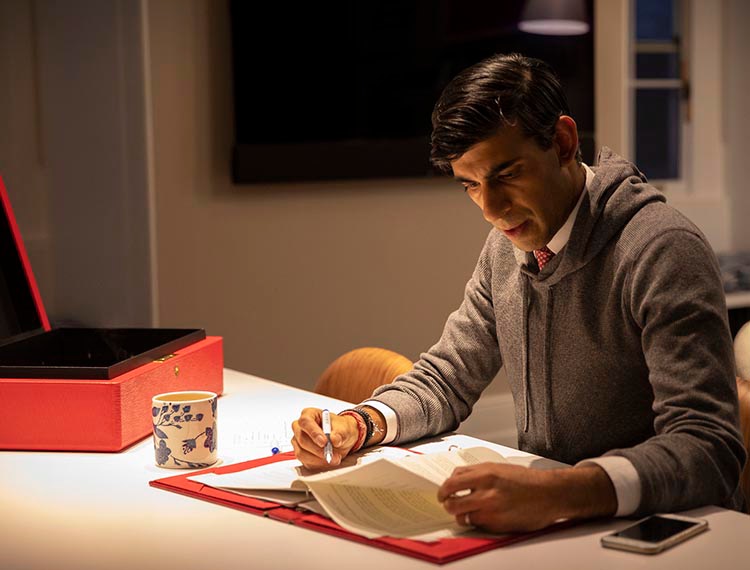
{"points": [[439, 552]]}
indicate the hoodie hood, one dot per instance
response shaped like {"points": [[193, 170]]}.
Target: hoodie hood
{"points": [[618, 191]]}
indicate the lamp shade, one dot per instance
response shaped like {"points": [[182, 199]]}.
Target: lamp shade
{"points": [[554, 18]]}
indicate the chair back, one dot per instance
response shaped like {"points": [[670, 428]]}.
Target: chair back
{"points": [[353, 376], [742, 364], [743, 394]]}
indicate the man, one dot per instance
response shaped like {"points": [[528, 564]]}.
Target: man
{"points": [[604, 305]]}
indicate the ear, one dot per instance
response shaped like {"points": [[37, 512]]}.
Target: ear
{"points": [[566, 139]]}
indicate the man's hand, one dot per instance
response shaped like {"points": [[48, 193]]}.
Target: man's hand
{"points": [[508, 498], [309, 439]]}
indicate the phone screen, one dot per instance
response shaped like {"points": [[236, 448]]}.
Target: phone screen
{"points": [[655, 529]]}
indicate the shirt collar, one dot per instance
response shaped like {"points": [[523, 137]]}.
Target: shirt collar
{"points": [[560, 239]]}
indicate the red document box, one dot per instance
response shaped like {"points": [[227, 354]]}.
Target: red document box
{"points": [[84, 389]]}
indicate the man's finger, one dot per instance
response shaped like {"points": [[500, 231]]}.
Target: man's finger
{"points": [[307, 459], [465, 480], [304, 442], [458, 505], [309, 422]]}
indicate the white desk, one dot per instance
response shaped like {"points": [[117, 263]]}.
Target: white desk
{"points": [[96, 511]]}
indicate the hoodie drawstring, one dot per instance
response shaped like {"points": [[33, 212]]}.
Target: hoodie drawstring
{"points": [[547, 369], [525, 353]]}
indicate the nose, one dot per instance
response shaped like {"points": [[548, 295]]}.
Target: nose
{"points": [[493, 202]]}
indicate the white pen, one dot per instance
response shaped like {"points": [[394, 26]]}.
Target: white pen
{"points": [[328, 449]]}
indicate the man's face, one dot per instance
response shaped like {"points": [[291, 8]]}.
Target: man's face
{"points": [[523, 190]]}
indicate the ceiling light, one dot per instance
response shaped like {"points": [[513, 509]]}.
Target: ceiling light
{"points": [[554, 18]]}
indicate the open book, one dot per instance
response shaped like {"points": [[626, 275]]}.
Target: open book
{"points": [[388, 492]]}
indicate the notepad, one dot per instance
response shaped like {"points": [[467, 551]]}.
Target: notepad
{"points": [[380, 495]]}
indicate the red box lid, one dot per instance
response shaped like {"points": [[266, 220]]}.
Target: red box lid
{"points": [[30, 349], [22, 313]]}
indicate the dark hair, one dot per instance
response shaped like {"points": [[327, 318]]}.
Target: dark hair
{"points": [[502, 90]]}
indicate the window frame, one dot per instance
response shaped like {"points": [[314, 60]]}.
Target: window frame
{"points": [[680, 184]]}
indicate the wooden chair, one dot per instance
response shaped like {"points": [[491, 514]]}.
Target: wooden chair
{"points": [[743, 394], [353, 376], [742, 362]]}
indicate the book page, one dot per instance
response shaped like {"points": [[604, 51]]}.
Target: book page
{"points": [[285, 475], [437, 467], [393, 497]]}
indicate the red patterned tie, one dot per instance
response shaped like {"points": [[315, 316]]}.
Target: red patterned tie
{"points": [[543, 256]]}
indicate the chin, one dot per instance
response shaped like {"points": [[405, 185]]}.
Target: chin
{"points": [[522, 246]]}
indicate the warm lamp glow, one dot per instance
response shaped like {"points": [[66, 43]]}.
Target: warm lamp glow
{"points": [[554, 18]]}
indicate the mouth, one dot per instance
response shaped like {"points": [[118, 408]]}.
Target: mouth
{"points": [[515, 231]]}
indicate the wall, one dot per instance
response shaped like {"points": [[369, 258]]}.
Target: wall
{"points": [[612, 67], [73, 155], [290, 275], [22, 156]]}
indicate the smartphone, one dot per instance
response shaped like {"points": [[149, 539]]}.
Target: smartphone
{"points": [[655, 533]]}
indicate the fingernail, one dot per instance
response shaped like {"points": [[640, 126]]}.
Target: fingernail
{"points": [[320, 440]]}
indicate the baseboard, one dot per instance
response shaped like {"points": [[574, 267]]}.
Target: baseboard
{"points": [[493, 419]]}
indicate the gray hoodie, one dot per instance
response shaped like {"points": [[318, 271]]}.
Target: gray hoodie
{"points": [[619, 346]]}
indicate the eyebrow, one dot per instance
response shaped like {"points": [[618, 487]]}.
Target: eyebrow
{"points": [[494, 170]]}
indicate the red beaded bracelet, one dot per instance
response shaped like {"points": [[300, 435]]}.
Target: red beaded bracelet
{"points": [[361, 428]]}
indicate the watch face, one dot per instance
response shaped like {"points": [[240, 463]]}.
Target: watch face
{"points": [[655, 529]]}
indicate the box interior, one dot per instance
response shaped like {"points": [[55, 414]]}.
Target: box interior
{"points": [[18, 312], [90, 353]]}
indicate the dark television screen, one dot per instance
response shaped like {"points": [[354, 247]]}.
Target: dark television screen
{"points": [[345, 89]]}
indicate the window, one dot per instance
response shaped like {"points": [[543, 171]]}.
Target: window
{"points": [[700, 72], [660, 89]]}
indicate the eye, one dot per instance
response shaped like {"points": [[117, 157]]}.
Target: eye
{"points": [[469, 186], [507, 175]]}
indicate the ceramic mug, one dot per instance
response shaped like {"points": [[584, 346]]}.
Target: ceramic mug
{"points": [[184, 429]]}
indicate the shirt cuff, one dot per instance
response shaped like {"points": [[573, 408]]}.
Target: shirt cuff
{"points": [[624, 479], [391, 421]]}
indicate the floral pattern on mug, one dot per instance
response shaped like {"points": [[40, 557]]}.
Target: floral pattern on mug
{"points": [[176, 416], [210, 442], [162, 452]]}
